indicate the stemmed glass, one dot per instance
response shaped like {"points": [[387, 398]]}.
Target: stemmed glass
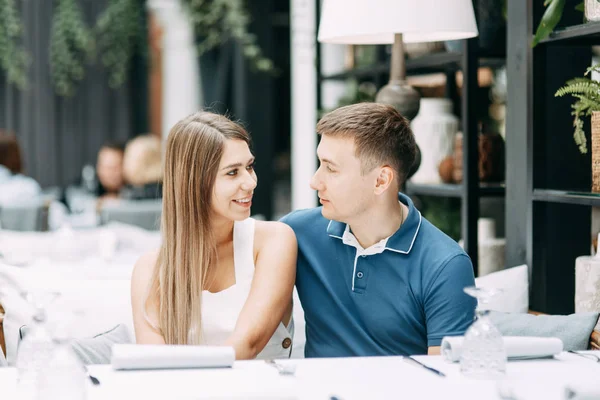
{"points": [[35, 348], [46, 365], [65, 376], [483, 355]]}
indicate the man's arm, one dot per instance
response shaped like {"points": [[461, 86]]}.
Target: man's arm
{"points": [[449, 311]]}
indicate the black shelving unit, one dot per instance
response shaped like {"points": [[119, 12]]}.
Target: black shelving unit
{"points": [[453, 190], [468, 61], [582, 34], [567, 197], [548, 218], [431, 63]]}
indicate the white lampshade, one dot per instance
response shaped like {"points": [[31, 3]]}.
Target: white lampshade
{"points": [[376, 21]]}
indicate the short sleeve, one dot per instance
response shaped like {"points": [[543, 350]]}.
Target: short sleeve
{"points": [[449, 311]]}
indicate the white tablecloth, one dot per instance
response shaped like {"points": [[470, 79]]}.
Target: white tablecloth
{"points": [[343, 378], [97, 287]]}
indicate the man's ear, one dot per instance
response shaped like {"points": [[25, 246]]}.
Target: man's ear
{"points": [[385, 178]]}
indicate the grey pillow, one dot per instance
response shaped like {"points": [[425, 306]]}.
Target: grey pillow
{"points": [[98, 349], [94, 350], [574, 330]]}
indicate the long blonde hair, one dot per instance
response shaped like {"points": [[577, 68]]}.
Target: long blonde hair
{"points": [[142, 160], [188, 252]]}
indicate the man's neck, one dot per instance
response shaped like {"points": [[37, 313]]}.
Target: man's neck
{"points": [[379, 222]]}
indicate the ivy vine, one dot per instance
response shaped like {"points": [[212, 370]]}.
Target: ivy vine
{"points": [[120, 33], [71, 47], [14, 60], [217, 21]]}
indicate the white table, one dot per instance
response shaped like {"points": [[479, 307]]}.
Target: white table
{"points": [[344, 378]]}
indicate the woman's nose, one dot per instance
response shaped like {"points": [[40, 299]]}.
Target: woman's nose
{"points": [[249, 182]]}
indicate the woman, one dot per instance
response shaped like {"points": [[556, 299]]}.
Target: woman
{"points": [[142, 168], [15, 188], [220, 277]]}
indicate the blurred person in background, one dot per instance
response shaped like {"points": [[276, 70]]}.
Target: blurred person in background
{"points": [[109, 168], [14, 186], [142, 168]]}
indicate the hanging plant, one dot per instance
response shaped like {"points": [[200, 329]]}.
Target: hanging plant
{"points": [[71, 46], [120, 32], [217, 21], [13, 57]]}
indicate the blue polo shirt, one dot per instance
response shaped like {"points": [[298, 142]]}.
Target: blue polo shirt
{"points": [[397, 297]]}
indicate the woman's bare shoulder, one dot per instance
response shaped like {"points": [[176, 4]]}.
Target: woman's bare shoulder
{"points": [[144, 267], [273, 232]]}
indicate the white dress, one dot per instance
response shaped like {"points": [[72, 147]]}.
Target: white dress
{"points": [[220, 310]]}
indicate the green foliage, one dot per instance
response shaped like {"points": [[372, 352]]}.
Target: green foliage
{"points": [[355, 93], [14, 60], [587, 93], [443, 213], [217, 21], [550, 19], [71, 47], [120, 32]]}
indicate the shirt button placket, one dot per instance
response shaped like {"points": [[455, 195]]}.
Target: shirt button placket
{"points": [[360, 281]]}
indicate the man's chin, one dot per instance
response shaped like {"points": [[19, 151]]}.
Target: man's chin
{"points": [[327, 213]]}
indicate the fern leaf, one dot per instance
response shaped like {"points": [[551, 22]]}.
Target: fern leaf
{"points": [[593, 68], [583, 80], [591, 104], [579, 135], [577, 88]]}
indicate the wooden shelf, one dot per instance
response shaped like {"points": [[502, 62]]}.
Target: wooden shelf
{"points": [[430, 63], [453, 190], [567, 197], [577, 34]]}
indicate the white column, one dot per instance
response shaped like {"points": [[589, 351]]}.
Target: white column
{"points": [[304, 102], [181, 72]]}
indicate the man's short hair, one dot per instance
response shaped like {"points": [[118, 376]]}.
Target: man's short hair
{"points": [[381, 135]]}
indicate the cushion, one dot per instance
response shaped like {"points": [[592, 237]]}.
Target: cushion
{"points": [[514, 283], [98, 349], [101, 305], [574, 330]]}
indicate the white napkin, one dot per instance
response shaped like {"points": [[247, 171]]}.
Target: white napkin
{"points": [[516, 347], [146, 356], [582, 391]]}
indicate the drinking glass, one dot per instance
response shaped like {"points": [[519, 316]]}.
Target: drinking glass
{"points": [[483, 355]]}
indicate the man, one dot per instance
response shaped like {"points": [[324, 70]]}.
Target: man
{"points": [[374, 276]]}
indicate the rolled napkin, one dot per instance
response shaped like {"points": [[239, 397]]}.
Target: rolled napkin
{"points": [[517, 347], [582, 391], [148, 356]]}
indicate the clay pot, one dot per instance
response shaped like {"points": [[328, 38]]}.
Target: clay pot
{"points": [[491, 158]]}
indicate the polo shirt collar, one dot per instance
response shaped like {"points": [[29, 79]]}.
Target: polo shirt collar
{"points": [[401, 241]]}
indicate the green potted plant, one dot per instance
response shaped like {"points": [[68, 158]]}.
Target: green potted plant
{"points": [[554, 12], [586, 91]]}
